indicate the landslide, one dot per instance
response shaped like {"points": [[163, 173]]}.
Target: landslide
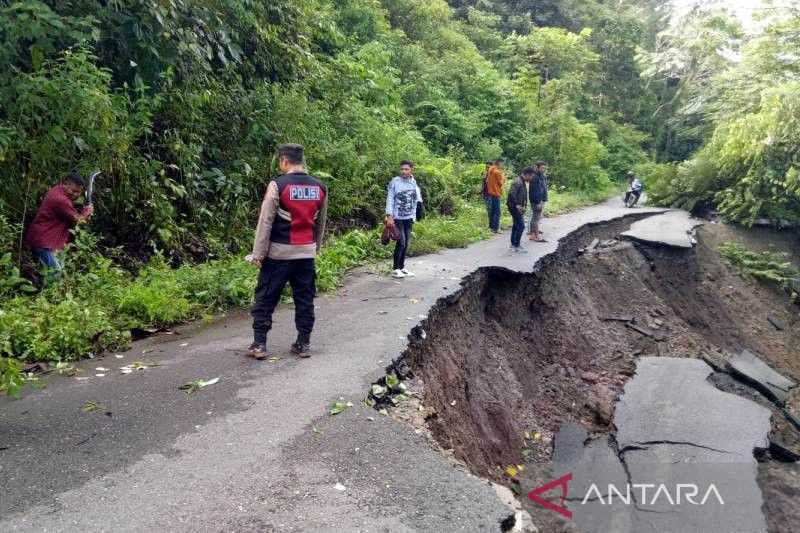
{"points": [[512, 356]]}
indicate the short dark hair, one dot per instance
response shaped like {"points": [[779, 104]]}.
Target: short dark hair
{"points": [[75, 179], [500, 160], [540, 164], [490, 163], [295, 153], [528, 171], [405, 162]]}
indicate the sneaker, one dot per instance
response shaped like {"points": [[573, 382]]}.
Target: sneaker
{"points": [[398, 274], [301, 349], [257, 351], [512, 250], [521, 250], [407, 273]]}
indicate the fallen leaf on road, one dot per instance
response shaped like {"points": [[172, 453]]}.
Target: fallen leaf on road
{"points": [[274, 359], [119, 356], [340, 487], [101, 369], [338, 407], [511, 471], [183, 344], [392, 381], [101, 375], [414, 301], [90, 407], [66, 369], [137, 365], [196, 385]]}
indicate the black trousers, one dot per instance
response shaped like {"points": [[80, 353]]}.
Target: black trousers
{"points": [[628, 194], [519, 226], [301, 275], [401, 248]]}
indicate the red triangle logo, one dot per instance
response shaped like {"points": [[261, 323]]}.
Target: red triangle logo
{"points": [[563, 482]]}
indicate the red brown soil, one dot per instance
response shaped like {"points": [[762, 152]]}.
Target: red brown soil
{"points": [[513, 356]]}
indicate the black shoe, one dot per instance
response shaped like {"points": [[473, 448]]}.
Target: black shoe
{"points": [[257, 351], [301, 348]]}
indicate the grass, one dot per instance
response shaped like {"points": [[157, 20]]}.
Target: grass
{"points": [[97, 303]]}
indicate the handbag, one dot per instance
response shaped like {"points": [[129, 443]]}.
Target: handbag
{"points": [[390, 233]]}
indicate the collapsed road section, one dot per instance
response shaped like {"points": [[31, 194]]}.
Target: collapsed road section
{"points": [[659, 362]]}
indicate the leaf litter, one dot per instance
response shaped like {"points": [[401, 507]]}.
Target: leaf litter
{"points": [[194, 386]]}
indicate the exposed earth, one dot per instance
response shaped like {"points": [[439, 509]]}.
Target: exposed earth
{"points": [[504, 351], [587, 319]]}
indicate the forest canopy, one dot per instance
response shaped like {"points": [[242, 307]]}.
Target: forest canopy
{"points": [[181, 103]]}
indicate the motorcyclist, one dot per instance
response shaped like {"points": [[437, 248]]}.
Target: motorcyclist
{"points": [[635, 187]]}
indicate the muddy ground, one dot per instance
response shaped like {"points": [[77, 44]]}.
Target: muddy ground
{"points": [[511, 357]]}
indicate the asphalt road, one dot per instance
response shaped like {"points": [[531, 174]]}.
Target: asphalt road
{"points": [[257, 451]]}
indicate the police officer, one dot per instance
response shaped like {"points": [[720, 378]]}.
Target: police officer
{"points": [[288, 237]]}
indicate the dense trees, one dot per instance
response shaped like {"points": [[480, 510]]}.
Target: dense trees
{"points": [[737, 98], [182, 102]]}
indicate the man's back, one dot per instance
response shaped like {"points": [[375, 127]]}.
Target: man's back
{"points": [[56, 215], [494, 181], [301, 199]]}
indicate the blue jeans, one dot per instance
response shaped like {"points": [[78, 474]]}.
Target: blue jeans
{"points": [[493, 205], [518, 228], [47, 258]]}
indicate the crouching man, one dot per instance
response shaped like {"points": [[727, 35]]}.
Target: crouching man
{"points": [[288, 237]]}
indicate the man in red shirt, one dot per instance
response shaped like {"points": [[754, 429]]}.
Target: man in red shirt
{"points": [[49, 232]]}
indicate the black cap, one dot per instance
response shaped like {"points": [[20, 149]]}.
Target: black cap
{"points": [[76, 179]]}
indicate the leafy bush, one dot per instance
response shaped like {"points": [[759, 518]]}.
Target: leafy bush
{"points": [[37, 329], [770, 266]]}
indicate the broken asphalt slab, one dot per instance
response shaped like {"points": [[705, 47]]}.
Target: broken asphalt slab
{"points": [[674, 427], [670, 400], [751, 369], [677, 436], [673, 229]]}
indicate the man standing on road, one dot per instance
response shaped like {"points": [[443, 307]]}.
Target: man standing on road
{"points": [[516, 203], [538, 197], [494, 189], [485, 187], [48, 234], [288, 237], [402, 197]]}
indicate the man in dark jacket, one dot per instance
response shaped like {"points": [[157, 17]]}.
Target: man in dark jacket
{"points": [[288, 237], [538, 197], [516, 202]]}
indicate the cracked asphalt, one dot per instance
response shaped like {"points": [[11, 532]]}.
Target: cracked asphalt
{"points": [[258, 451]]}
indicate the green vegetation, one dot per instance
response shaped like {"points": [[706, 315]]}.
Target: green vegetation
{"points": [[181, 104], [732, 107], [769, 266]]}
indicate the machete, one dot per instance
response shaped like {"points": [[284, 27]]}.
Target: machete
{"points": [[90, 188]]}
